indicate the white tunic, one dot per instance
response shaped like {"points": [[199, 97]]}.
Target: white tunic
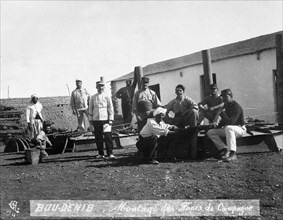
{"points": [[32, 110], [101, 108], [153, 128]]}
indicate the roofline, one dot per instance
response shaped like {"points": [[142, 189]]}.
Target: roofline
{"points": [[124, 77]]}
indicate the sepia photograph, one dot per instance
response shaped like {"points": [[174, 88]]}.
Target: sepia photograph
{"points": [[141, 109]]}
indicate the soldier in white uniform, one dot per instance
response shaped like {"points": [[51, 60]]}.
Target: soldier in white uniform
{"points": [[101, 116]]}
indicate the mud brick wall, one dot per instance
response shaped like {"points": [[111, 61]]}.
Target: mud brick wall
{"points": [[56, 109]]}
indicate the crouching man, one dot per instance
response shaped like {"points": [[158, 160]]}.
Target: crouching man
{"points": [[154, 128], [40, 143], [231, 126]]}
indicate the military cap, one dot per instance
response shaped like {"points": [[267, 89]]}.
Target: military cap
{"points": [[128, 81], [226, 92], [100, 83], [145, 79], [213, 86]]}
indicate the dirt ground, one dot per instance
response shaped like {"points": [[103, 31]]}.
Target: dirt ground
{"points": [[79, 176]]}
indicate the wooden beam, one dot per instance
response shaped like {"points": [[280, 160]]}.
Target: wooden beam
{"points": [[139, 74], [114, 98], [206, 61], [279, 78]]}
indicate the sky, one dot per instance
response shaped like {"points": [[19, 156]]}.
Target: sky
{"points": [[47, 45]]}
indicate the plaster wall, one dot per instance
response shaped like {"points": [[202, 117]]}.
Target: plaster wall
{"points": [[250, 77]]}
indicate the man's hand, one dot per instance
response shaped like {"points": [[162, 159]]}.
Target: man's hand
{"points": [[30, 126], [172, 132], [138, 118], [214, 124], [201, 107], [110, 122], [173, 128]]}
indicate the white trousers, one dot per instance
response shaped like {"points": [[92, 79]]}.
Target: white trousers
{"points": [[231, 132], [37, 126], [81, 120]]}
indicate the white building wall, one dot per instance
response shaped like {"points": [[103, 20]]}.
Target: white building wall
{"points": [[250, 78], [169, 80]]}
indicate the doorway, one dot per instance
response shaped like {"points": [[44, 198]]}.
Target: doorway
{"points": [[156, 89]]}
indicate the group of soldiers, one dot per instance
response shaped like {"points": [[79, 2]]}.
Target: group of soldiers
{"points": [[158, 122], [155, 121]]}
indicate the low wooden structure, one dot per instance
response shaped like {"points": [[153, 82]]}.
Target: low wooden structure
{"points": [[190, 144], [70, 141], [258, 139], [10, 123], [87, 142]]}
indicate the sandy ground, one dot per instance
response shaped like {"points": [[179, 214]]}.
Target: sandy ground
{"points": [[79, 176]]}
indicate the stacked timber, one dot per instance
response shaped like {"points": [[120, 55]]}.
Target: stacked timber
{"points": [[10, 123]]}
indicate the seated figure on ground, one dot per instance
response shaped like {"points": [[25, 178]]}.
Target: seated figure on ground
{"points": [[151, 132]]}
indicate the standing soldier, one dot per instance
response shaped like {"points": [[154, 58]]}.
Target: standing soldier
{"points": [[101, 116], [144, 101], [79, 104], [126, 95]]}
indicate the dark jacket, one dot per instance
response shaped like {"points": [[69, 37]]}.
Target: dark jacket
{"points": [[233, 114]]}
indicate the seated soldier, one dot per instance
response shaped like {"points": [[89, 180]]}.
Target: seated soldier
{"points": [[231, 126], [211, 106], [184, 108], [154, 128]]}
